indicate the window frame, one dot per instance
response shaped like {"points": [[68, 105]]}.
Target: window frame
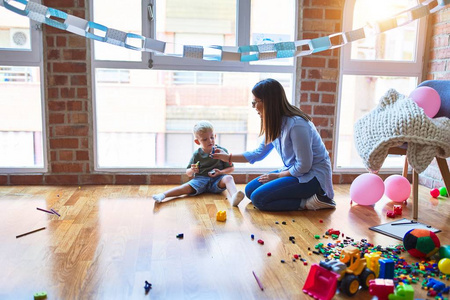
{"points": [[32, 58], [185, 64], [172, 63], [348, 66]]}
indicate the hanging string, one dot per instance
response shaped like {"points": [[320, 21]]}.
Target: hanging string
{"points": [[98, 32]]}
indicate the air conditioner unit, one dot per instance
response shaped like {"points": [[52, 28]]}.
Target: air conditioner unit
{"points": [[20, 38]]}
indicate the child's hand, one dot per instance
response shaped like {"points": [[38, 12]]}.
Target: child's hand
{"points": [[195, 168], [214, 173]]}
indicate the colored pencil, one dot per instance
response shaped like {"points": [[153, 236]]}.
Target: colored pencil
{"points": [[54, 211], [257, 280], [30, 232], [44, 210]]}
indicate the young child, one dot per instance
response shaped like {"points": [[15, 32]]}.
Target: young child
{"points": [[209, 174]]}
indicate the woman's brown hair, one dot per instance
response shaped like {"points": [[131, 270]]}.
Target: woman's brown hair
{"points": [[275, 105]]}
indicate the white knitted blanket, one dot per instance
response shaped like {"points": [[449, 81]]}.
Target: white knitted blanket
{"points": [[398, 120]]}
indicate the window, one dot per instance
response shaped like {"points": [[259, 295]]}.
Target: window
{"points": [[370, 67], [21, 107], [146, 104]]}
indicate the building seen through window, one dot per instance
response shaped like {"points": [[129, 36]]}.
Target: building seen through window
{"points": [[144, 117]]}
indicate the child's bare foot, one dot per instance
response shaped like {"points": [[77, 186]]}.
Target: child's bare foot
{"points": [[159, 197], [237, 198]]}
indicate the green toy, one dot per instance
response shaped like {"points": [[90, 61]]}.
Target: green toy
{"points": [[444, 251], [40, 296], [443, 191], [403, 292]]}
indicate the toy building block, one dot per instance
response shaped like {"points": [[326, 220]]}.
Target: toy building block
{"points": [[320, 283], [386, 268], [332, 231], [147, 287], [381, 288], [398, 210], [350, 272], [40, 296], [221, 216], [390, 214], [435, 284], [403, 292], [372, 262]]}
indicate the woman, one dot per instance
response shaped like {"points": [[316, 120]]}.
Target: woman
{"points": [[305, 180]]}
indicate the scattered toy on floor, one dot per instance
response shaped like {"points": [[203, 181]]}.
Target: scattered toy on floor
{"points": [[221, 216], [390, 214], [443, 191], [147, 287], [403, 292], [381, 288], [435, 193], [421, 243], [40, 296], [444, 265], [398, 210]]}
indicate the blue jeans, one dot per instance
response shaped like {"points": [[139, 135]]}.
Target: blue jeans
{"points": [[205, 184], [281, 194]]}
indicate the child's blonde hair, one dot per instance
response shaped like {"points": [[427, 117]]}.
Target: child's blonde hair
{"points": [[202, 126]]}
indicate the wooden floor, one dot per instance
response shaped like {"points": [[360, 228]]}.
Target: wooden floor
{"points": [[110, 239]]}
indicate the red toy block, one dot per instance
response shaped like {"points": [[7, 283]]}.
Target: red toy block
{"points": [[390, 214], [261, 242], [381, 288], [332, 231], [398, 210]]}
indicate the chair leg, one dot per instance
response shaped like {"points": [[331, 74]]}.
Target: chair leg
{"points": [[443, 167], [405, 168], [415, 183]]}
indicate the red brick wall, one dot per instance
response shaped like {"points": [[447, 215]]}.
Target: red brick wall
{"points": [[438, 67], [68, 99], [318, 74], [68, 96]]}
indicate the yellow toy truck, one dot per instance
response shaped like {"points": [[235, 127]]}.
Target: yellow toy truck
{"points": [[352, 271]]}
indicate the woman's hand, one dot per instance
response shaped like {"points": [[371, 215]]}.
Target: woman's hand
{"points": [[268, 177], [220, 154]]}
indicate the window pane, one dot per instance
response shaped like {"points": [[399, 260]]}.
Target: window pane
{"points": [[398, 44], [21, 142], [120, 15], [361, 94], [272, 24], [195, 22], [14, 31], [150, 115]]}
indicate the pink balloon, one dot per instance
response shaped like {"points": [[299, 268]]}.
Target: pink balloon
{"points": [[397, 188], [428, 99], [367, 189]]}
